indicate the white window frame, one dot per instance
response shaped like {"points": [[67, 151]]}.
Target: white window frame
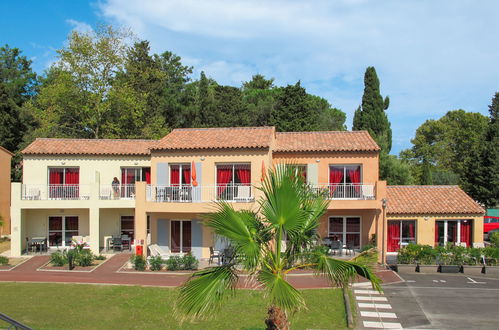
{"points": [[141, 174], [361, 180], [63, 229], [344, 234], [181, 179], [446, 229], [231, 183], [63, 173]]}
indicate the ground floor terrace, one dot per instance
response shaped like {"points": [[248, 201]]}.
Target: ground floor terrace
{"points": [[49, 229]]}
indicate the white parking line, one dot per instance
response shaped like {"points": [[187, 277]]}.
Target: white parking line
{"points": [[443, 281], [371, 298], [366, 291], [381, 306], [410, 281], [382, 325], [378, 314], [475, 282]]}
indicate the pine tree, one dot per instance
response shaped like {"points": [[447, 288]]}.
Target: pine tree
{"points": [[483, 179], [371, 116]]}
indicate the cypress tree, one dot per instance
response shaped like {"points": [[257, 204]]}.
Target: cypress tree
{"points": [[371, 116]]}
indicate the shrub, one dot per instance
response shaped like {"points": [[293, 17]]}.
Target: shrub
{"points": [[4, 260], [174, 263], [367, 247], [100, 257], [494, 239], [189, 262], [156, 263], [83, 258], [138, 262], [58, 259]]}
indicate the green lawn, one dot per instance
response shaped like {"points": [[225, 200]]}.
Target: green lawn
{"points": [[65, 306]]}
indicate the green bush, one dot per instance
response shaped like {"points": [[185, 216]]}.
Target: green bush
{"points": [[174, 263], [58, 259], [187, 262], [494, 239], [156, 263], [83, 258], [138, 262], [416, 253], [367, 247], [4, 260], [100, 257]]}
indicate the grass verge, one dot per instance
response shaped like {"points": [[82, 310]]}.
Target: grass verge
{"points": [[73, 306]]}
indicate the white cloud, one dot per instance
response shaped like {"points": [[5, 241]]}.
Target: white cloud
{"points": [[430, 56], [79, 26]]}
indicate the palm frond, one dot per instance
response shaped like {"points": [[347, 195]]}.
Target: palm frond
{"points": [[242, 228], [205, 291], [340, 272], [279, 292]]}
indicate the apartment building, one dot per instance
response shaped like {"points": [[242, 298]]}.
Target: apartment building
{"points": [[156, 192]]}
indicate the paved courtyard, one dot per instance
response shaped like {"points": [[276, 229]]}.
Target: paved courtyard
{"points": [[438, 301]]}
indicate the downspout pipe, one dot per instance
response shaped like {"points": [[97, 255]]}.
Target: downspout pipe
{"points": [[383, 245]]}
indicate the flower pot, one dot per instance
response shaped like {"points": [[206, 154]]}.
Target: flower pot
{"points": [[450, 269]]}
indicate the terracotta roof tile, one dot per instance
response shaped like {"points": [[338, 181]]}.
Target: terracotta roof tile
{"points": [[120, 147], [430, 200], [217, 138], [325, 141]]}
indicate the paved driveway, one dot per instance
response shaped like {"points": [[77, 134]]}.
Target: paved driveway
{"points": [[446, 301]]}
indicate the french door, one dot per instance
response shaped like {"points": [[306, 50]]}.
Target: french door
{"points": [[61, 230], [181, 236], [130, 175], [64, 182], [128, 226], [453, 231], [400, 233], [345, 229]]}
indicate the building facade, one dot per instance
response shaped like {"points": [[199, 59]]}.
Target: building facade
{"points": [[157, 192], [5, 161]]}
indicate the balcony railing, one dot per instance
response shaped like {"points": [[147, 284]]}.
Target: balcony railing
{"points": [[120, 191], [55, 192], [191, 194], [347, 191]]}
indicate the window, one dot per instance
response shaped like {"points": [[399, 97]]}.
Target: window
{"points": [[62, 229], [180, 174], [233, 181], [344, 181], [180, 239], [128, 226], [130, 175], [453, 231], [345, 229], [64, 182], [400, 233]]}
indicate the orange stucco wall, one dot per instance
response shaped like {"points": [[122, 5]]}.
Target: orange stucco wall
{"points": [[368, 160], [5, 158]]}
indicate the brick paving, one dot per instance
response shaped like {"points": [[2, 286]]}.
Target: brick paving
{"points": [[107, 273]]}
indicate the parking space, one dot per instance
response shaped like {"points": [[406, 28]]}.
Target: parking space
{"points": [[445, 301]]}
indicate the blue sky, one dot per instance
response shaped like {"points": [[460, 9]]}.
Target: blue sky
{"points": [[431, 56]]}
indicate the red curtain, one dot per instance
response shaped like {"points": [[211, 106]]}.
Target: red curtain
{"points": [[436, 233], [186, 171], [123, 175], [55, 176], [72, 176], [466, 232], [354, 175], [175, 237], [148, 175], [411, 230], [130, 176], [393, 236], [224, 175], [174, 175], [335, 177], [452, 227], [244, 175]]}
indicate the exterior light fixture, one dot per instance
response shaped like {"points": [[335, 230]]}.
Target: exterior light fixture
{"points": [[202, 158], [136, 163], [383, 201], [318, 160]]}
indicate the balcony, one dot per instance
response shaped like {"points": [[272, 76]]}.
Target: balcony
{"points": [[116, 192], [347, 191], [55, 192], [199, 194]]}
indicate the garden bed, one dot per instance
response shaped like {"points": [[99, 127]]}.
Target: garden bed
{"points": [[50, 267], [12, 263]]}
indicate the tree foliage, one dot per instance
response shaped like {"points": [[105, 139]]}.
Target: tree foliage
{"points": [[371, 115]]}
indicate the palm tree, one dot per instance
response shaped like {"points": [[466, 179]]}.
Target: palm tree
{"points": [[289, 210]]}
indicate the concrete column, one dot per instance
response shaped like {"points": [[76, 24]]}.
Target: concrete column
{"points": [[140, 213], [93, 217], [16, 225]]}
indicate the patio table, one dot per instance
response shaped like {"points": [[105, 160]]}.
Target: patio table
{"points": [[39, 242]]}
